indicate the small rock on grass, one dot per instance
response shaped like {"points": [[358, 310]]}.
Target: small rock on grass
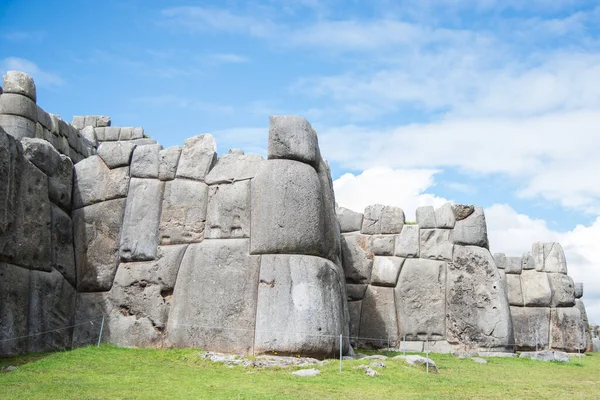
{"points": [[307, 372], [377, 364], [368, 370], [10, 368], [419, 361], [375, 357], [479, 360]]}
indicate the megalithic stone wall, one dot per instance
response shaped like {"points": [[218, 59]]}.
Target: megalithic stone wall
{"points": [[434, 280], [546, 304]]}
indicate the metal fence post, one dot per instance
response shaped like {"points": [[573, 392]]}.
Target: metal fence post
{"points": [[101, 329], [341, 352]]}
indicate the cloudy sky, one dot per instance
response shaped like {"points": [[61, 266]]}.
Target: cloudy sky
{"points": [[487, 102]]}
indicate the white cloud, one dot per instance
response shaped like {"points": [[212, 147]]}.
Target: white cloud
{"points": [[229, 58], [174, 101], [42, 78]]}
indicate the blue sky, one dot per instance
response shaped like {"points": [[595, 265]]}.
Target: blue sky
{"points": [[488, 102]]}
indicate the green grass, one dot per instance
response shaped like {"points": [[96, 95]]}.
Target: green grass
{"points": [[110, 372]]}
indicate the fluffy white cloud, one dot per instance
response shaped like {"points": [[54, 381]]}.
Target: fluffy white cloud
{"points": [[41, 77]]}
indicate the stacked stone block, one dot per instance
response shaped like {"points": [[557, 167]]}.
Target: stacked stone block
{"points": [[545, 302], [434, 281]]}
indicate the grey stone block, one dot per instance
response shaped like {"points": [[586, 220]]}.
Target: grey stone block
{"points": [[514, 292], [378, 323], [145, 161], [349, 220], [183, 212], [16, 104], [89, 310], [563, 290], [112, 133], [292, 138], [355, 291], [444, 217], [386, 270], [567, 330], [63, 255], [116, 154], [435, 244], [536, 289], [379, 219], [228, 211], [233, 167], [462, 211], [357, 257], [513, 265], [471, 231], [354, 310], [19, 83], [554, 258], [14, 309], [578, 290], [383, 245], [137, 133], [94, 182], [168, 160], [371, 224], [17, 126], [407, 242], [527, 261], [531, 327], [78, 122], [198, 156], [426, 217]]}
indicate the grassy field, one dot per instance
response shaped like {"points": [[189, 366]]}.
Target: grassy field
{"points": [[109, 372]]}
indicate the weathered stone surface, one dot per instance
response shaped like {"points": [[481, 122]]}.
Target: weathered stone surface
{"points": [[578, 290], [546, 355], [97, 230], [386, 270], [233, 167], [145, 161], [307, 372], [554, 258], [333, 250], [51, 311], [586, 323], [567, 332], [439, 346], [287, 210], [500, 259], [14, 306], [89, 310], [537, 255], [513, 265], [112, 133], [16, 104], [349, 220], [536, 289], [477, 309], [116, 154], [139, 235], [444, 217], [292, 138], [527, 261], [183, 212], [17, 126], [238, 152], [63, 255], [462, 211], [228, 211], [371, 224], [383, 245], [410, 346], [354, 310], [95, 182], [531, 326], [19, 83], [379, 219], [198, 156], [11, 155], [355, 291], [378, 323], [90, 134], [513, 290], [421, 300], [426, 217], [407, 242], [357, 257], [435, 244], [221, 316], [168, 160], [471, 231], [563, 290], [420, 361], [301, 306]]}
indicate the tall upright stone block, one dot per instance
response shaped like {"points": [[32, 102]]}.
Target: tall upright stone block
{"points": [[407, 242], [378, 322], [14, 309], [228, 213], [292, 138], [198, 156], [471, 231], [357, 257], [183, 212], [63, 254]]}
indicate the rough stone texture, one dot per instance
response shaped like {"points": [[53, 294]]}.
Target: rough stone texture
{"points": [[378, 323], [371, 224], [407, 242], [183, 212], [90, 134], [462, 211], [94, 182], [421, 300], [379, 219], [586, 323], [51, 311], [112, 133], [513, 290], [500, 259], [546, 355], [563, 290], [426, 217], [536, 289], [578, 290], [477, 309], [17, 126], [167, 163], [537, 256], [386, 270], [301, 306], [307, 372], [139, 235], [145, 161], [567, 332], [220, 316], [63, 254], [292, 138], [349, 220], [333, 249], [355, 291], [383, 245], [11, 155], [554, 258], [14, 306], [19, 83], [513, 265], [471, 231], [198, 156], [97, 230], [89, 310], [233, 167], [532, 326], [527, 262], [357, 257], [116, 154], [354, 310], [444, 217], [420, 361], [16, 104], [228, 211], [435, 244]]}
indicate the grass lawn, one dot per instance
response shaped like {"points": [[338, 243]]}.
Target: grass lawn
{"points": [[110, 372]]}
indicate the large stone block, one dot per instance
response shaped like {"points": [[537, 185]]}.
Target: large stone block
{"points": [[145, 161], [578, 290], [435, 244], [19, 83], [234, 167], [378, 323], [563, 290], [116, 154], [292, 138], [421, 300], [379, 219], [478, 313], [11, 155], [139, 235], [536, 289], [444, 217], [532, 327], [567, 332], [357, 257], [554, 258], [426, 217], [94, 182], [349, 220], [183, 212], [356, 291], [301, 306], [513, 265], [386, 270], [383, 245], [89, 310], [51, 311], [214, 303], [513, 290], [354, 310], [471, 231], [16, 104], [14, 309], [168, 160], [332, 234], [587, 334], [198, 156], [63, 254], [97, 232], [228, 211], [17, 126], [407, 242]]}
